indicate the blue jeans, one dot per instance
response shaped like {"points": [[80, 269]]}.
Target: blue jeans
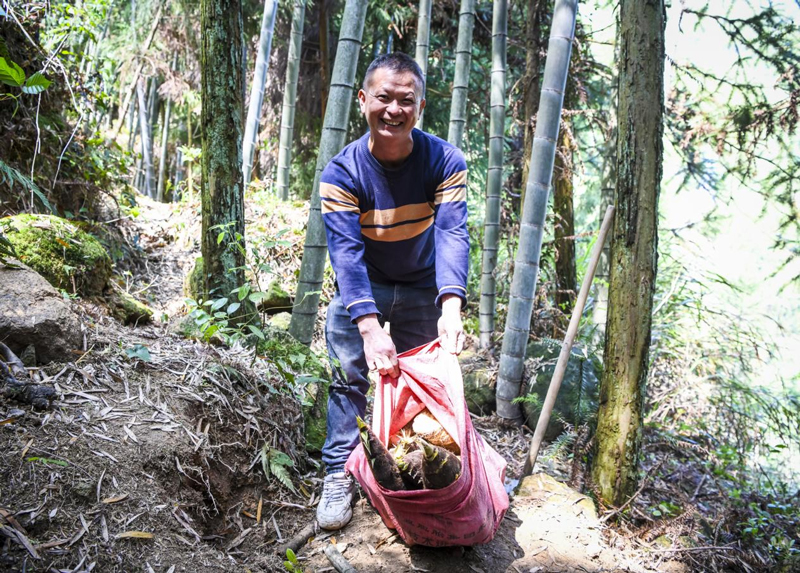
{"points": [[413, 317]]}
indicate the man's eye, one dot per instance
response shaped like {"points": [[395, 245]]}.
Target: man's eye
{"points": [[408, 102], [383, 98]]}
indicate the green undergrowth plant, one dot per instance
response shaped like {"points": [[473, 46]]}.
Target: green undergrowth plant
{"points": [[708, 399]]}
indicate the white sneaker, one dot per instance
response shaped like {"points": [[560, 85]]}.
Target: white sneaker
{"points": [[335, 508]]}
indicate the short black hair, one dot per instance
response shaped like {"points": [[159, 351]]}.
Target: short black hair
{"points": [[397, 62]]}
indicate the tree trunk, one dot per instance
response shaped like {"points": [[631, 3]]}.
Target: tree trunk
{"points": [[634, 253], [324, 56], [526, 262], [147, 147], [334, 129], [162, 161], [138, 71], [458, 105], [153, 106], [221, 135], [423, 43], [532, 80], [600, 310], [494, 179], [564, 231], [257, 89], [289, 99]]}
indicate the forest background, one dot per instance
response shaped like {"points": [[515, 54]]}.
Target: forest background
{"points": [[726, 318]]}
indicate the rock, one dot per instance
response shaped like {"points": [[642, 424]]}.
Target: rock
{"points": [[186, 327], [28, 356], [480, 378], [578, 398], [281, 321], [126, 309], [277, 300], [14, 379], [541, 485], [33, 313], [69, 258]]}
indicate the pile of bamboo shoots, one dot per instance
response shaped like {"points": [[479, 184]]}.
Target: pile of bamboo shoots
{"points": [[422, 455]]}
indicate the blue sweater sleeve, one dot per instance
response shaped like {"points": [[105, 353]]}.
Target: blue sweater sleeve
{"points": [[341, 212], [452, 238]]}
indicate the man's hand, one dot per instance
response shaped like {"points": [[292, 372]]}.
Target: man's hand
{"points": [[379, 349], [451, 330]]}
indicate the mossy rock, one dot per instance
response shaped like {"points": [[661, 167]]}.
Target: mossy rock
{"points": [[315, 414], [126, 309], [69, 258], [309, 372], [479, 383], [186, 327], [194, 283], [281, 321], [577, 400], [276, 300]]}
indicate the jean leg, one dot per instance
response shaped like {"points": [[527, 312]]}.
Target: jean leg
{"points": [[414, 318], [347, 396]]}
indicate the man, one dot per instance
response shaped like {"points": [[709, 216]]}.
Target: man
{"points": [[394, 206]]}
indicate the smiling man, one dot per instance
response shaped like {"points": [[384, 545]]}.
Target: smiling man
{"points": [[395, 212]]}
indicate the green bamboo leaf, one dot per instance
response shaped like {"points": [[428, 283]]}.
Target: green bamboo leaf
{"points": [[10, 73], [36, 84]]}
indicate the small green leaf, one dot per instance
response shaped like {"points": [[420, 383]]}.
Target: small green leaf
{"points": [[221, 237], [233, 307], [257, 297], [257, 331], [139, 351], [36, 84], [10, 73], [219, 303], [244, 290], [291, 556]]}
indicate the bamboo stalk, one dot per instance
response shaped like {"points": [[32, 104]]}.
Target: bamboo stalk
{"points": [[566, 347]]}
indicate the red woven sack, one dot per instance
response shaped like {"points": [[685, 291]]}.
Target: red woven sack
{"points": [[468, 511]]}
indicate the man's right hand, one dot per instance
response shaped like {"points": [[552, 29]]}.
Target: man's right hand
{"points": [[379, 349]]}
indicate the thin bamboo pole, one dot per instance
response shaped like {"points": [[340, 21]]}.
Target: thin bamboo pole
{"points": [[566, 347]]}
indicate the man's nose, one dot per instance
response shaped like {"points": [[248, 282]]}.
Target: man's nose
{"points": [[393, 107]]}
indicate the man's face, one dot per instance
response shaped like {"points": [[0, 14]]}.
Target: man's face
{"points": [[391, 105]]}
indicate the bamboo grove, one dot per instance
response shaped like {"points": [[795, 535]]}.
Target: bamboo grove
{"points": [[222, 97]]}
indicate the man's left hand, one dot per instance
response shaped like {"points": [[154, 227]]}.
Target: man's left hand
{"points": [[451, 329]]}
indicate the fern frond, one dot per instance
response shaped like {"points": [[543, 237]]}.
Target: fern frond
{"points": [[9, 176]]}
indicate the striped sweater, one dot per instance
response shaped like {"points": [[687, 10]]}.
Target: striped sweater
{"points": [[406, 225]]}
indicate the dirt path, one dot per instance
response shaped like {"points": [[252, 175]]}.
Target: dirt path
{"points": [[152, 464]]}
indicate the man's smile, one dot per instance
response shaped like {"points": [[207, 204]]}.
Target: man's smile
{"points": [[392, 123]]}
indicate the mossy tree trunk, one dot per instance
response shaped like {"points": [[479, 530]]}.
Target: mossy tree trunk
{"points": [[334, 130], [564, 231], [640, 111], [494, 179], [221, 133]]}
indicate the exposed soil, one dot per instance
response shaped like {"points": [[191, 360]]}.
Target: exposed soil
{"points": [[151, 465]]}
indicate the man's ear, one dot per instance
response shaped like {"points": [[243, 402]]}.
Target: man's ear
{"points": [[362, 99], [421, 105]]}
